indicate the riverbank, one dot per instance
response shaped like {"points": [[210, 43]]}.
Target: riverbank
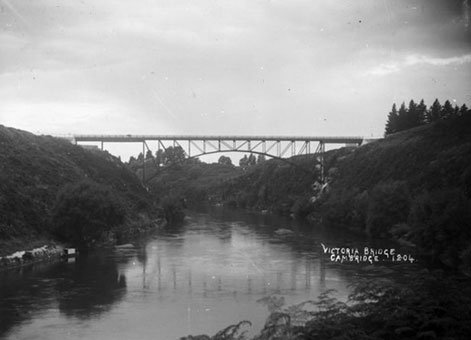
{"points": [[48, 252], [49, 186]]}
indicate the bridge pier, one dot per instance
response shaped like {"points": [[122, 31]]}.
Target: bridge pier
{"points": [[143, 162]]}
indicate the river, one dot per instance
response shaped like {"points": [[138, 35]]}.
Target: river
{"points": [[196, 278]]}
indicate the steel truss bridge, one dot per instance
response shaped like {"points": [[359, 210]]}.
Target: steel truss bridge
{"points": [[196, 146]]}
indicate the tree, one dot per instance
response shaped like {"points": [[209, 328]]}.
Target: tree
{"points": [[391, 124], [261, 159], [388, 205], [224, 160], [440, 224], [447, 110], [463, 110], [244, 162], [173, 210], [84, 211], [149, 155], [435, 112], [402, 118], [421, 112], [414, 114], [251, 160], [173, 155]]}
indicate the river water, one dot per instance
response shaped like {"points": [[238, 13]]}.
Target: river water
{"points": [[196, 278]]}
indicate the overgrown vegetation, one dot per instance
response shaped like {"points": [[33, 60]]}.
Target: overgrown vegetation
{"points": [[412, 186], [173, 210], [34, 169], [85, 211]]}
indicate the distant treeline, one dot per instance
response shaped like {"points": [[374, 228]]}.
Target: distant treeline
{"points": [[418, 114]]}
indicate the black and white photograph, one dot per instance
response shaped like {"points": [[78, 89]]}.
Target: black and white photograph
{"points": [[235, 169]]}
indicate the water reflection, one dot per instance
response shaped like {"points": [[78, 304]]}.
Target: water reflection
{"points": [[90, 287], [82, 289]]}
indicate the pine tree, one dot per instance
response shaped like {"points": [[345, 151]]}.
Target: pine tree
{"points": [[447, 110], [391, 124], [434, 112], [463, 110], [402, 118], [412, 119], [421, 112]]}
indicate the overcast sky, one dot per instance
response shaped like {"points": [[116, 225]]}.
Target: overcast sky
{"points": [[287, 67]]}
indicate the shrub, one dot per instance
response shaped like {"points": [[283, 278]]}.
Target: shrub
{"points": [[173, 209], [84, 211], [388, 205], [441, 224], [338, 208]]}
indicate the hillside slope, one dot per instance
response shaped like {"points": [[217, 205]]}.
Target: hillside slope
{"points": [[33, 169], [414, 186], [430, 156]]}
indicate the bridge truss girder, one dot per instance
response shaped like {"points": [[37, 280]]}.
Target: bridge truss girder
{"points": [[275, 149], [197, 146]]}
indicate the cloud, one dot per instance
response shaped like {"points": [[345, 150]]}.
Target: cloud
{"points": [[426, 60], [414, 60], [214, 66]]}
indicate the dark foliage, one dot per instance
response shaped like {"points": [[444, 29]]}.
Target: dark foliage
{"points": [[32, 171], [424, 171], [84, 211], [388, 205], [274, 185], [416, 115], [441, 225], [196, 182], [224, 160], [173, 209]]}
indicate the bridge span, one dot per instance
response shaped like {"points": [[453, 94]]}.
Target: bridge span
{"points": [[199, 145]]}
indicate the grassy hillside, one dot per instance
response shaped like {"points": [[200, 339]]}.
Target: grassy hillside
{"points": [[427, 157], [33, 169]]}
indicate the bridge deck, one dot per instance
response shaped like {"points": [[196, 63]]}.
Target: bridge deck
{"points": [[143, 138]]}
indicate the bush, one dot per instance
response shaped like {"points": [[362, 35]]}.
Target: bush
{"points": [[84, 211], [173, 210], [302, 207], [388, 205], [338, 208], [441, 224]]}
